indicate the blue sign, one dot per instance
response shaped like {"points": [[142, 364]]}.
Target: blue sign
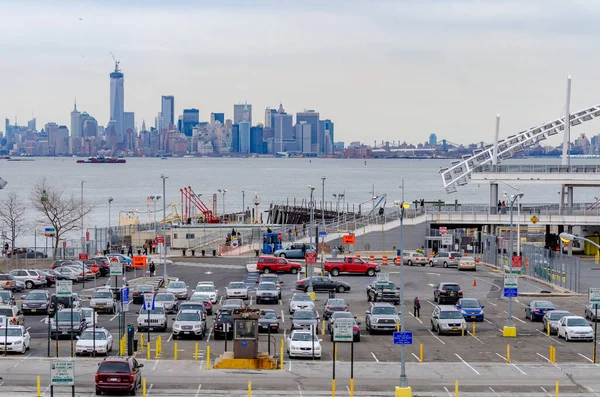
{"points": [[148, 302], [125, 295], [322, 234], [511, 292], [244, 344], [402, 338]]}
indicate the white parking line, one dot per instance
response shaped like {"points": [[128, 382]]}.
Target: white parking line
{"points": [[448, 391], [375, 357], [435, 336], [466, 363], [282, 316], [493, 391], [516, 318], [489, 282], [431, 303], [150, 388], [44, 319], [209, 334], [198, 390], [518, 369], [592, 391], [544, 357], [155, 365], [546, 334], [170, 337], [415, 356], [113, 317], [220, 299], [544, 390], [299, 391], [250, 301], [586, 357], [431, 285], [468, 332], [416, 318], [280, 302], [487, 321], [520, 303], [492, 303]]}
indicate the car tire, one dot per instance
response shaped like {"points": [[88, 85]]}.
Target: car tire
{"points": [[341, 288], [370, 272], [446, 264], [432, 327], [29, 284], [98, 392], [134, 391], [566, 337], [174, 337], [267, 270], [23, 349], [431, 263], [409, 263], [335, 272], [439, 330], [357, 339], [294, 270], [423, 264]]}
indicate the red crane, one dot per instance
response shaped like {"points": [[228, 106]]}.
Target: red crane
{"points": [[189, 198]]}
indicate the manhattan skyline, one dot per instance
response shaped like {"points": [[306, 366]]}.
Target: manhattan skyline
{"points": [[381, 70]]}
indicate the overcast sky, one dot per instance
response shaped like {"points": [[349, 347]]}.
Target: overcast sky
{"points": [[385, 70]]}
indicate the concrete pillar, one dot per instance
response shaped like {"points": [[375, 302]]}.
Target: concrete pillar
{"points": [[562, 199], [570, 201], [493, 198]]}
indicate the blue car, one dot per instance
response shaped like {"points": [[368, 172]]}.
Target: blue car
{"points": [[535, 310], [471, 309]]}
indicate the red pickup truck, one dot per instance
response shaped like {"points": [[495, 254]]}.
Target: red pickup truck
{"points": [[351, 264], [271, 264]]}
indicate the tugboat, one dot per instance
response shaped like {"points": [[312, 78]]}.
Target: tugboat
{"points": [[102, 160]]}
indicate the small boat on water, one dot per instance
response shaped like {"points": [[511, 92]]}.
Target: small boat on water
{"points": [[102, 160]]}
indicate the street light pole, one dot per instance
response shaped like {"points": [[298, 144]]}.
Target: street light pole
{"points": [[81, 209], [110, 200], [244, 205], [323, 204], [509, 322], [310, 231], [400, 205], [164, 231]]}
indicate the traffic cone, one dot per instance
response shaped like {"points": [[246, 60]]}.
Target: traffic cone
{"points": [[475, 282]]}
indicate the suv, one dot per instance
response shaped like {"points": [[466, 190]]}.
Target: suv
{"points": [[118, 374], [447, 292], [36, 302], [64, 324], [445, 259], [381, 316], [266, 291], [447, 319], [189, 323], [103, 300], [295, 250], [152, 319], [31, 278], [271, 278], [7, 298], [13, 314], [383, 291], [8, 282], [62, 302]]}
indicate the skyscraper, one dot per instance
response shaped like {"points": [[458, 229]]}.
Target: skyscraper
{"points": [[217, 117], [167, 110], [256, 140], [284, 130], [242, 112], [75, 121], [117, 101], [191, 118], [244, 131], [303, 136], [235, 138], [327, 135], [432, 140], [312, 118]]}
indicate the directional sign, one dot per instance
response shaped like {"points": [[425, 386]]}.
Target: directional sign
{"points": [[322, 234], [138, 262], [62, 373], [116, 267], [443, 230], [49, 232], [383, 277], [403, 338], [349, 239], [124, 295], [343, 330], [534, 219], [148, 301], [64, 288], [446, 239], [594, 295]]}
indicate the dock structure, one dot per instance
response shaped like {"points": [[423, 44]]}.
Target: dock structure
{"points": [[297, 215]]}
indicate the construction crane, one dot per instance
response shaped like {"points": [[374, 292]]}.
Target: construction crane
{"points": [[189, 198], [116, 61]]}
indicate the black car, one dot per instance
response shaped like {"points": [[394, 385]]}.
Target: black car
{"points": [[223, 325], [447, 292], [102, 263], [268, 319], [60, 302], [139, 291], [322, 284]]}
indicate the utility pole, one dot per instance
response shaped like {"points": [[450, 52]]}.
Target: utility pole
{"points": [[403, 378], [81, 209], [164, 231], [244, 205], [323, 204], [310, 230]]}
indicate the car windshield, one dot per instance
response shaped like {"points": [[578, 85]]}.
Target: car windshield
{"points": [[6, 312], [269, 315], [189, 306], [450, 315], [233, 302], [156, 310], [89, 335], [545, 304], [342, 315], [12, 332], [577, 322], [470, 303], [203, 298], [164, 298], [270, 279], [205, 288], [384, 310], [304, 315], [144, 288], [225, 317], [385, 285], [36, 296], [176, 284], [102, 294], [304, 337], [188, 317], [66, 316], [467, 259], [267, 286], [595, 306], [114, 368], [302, 298], [558, 315], [5, 295], [236, 286], [450, 287], [336, 302]]}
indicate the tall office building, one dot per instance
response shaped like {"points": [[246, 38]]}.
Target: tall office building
{"points": [[235, 138], [217, 117], [244, 137], [167, 109], [75, 121], [432, 140], [283, 128], [311, 117], [256, 140], [90, 126], [31, 125], [269, 114], [304, 136], [327, 136], [242, 112], [191, 118], [117, 101]]}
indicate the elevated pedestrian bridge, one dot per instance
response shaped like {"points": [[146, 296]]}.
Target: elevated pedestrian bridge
{"points": [[568, 175]]}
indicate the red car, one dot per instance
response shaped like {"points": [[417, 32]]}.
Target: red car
{"points": [[271, 264], [118, 374]]}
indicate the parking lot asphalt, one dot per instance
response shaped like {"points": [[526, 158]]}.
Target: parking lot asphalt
{"points": [[482, 344]]}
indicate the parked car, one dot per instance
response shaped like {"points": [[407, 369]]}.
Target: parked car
{"points": [[197, 306], [31, 278], [166, 300], [25, 253], [351, 264], [223, 325], [268, 319], [305, 319], [471, 309], [208, 289], [91, 316], [67, 322], [8, 282], [467, 263], [272, 278], [383, 291], [303, 344], [272, 264], [447, 319], [50, 276], [139, 291], [322, 284], [535, 310], [103, 263], [15, 338], [551, 319], [295, 250], [103, 300], [575, 328], [447, 292], [416, 258], [152, 319], [446, 259], [94, 339], [36, 302], [198, 297], [344, 316], [7, 297], [70, 272], [236, 289], [381, 316], [590, 311], [179, 289], [118, 374], [300, 301], [333, 305], [266, 291], [189, 323], [233, 304], [13, 314]]}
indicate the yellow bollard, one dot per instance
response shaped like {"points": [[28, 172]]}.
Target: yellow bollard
{"points": [[39, 387], [508, 353], [556, 388], [548, 328], [333, 388], [351, 387], [323, 327], [207, 357], [281, 355], [157, 347], [141, 342], [397, 326], [196, 353], [249, 389], [144, 385], [148, 350], [421, 353], [456, 389], [474, 333], [462, 330], [175, 351]]}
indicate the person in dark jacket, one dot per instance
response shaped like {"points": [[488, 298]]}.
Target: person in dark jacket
{"points": [[417, 307], [152, 269]]}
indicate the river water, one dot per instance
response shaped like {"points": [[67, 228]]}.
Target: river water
{"points": [[274, 180]]}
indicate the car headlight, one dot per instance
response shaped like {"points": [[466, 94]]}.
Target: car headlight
{"points": [[18, 342], [176, 326], [25, 305], [196, 326], [44, 305], [295, 347]]}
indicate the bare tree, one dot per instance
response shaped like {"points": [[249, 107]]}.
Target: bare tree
{"points": [[12, 216], [63, 213]]}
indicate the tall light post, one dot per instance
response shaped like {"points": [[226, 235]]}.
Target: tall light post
{"points": [[566, 237], [509, 328], [223, 191], [323, 203], [164, 229], [244, 205], [401, 205], [518, 216], [82, 239], [110, 200], [310, 231], [256, 203]]}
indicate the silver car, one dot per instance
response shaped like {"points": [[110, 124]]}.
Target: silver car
{"points": [[446, 259], [552, 317], [447, 319], [31, 278], [189, 323], [590, 311], [179, 289], [167, 301], [301, 301], [103, 300]]}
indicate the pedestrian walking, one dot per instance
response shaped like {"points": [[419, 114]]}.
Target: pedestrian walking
{"points": [[145, 248], [153, 247], [303, 229], [290, 234], [295, 232], [499, 206], [152, 268], [417, 307], [130, 251]]}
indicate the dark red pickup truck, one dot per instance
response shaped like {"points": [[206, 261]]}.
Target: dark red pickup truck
{"points": [[271, 264], [351, 264]]}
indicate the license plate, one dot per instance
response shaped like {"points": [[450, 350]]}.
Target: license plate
{"points": [[186, 333], [64, 332], [100, 307], [32, 310], [451, 294], [151, 328], [473, 316], [114, 379], [454, 329]]}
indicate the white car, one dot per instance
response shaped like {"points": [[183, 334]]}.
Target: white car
{"points": [[103, 342], [575, 328], [89, 312], [205, 283], [301, 301], [179, 289], [236, 289], [16, 337], [189, 323], [208, 289], [301, 343]]}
